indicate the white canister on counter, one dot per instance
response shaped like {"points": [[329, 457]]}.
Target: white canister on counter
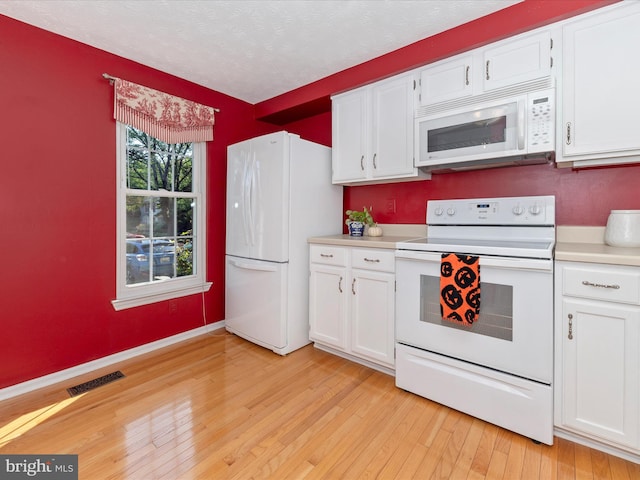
{"points": [[623, 228]]}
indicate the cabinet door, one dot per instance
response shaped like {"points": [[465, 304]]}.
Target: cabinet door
{"points": [[372, 315], [600, 369], [349, 136], [601, 98], [392, 119], [516, 61], [327, 305], [446, 80]]}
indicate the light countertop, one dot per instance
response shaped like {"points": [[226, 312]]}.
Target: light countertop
{"points": [[573, 243], [391, 234], [586, 244]]}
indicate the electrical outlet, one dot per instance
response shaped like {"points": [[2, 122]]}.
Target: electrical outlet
{"points": [[173, 306], [390, 205]]}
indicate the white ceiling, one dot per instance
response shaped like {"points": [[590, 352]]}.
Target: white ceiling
{"points": [[254, 49]]}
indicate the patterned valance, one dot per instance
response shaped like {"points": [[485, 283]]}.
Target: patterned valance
{"points": [[166, 117]]}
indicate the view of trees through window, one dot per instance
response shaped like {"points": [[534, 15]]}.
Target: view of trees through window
{"points": [[160, 205]]}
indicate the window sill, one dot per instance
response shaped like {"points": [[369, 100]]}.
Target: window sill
{"points": [[122, 304]]}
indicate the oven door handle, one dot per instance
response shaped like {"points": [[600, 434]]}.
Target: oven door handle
{"points": [[488, 261]]}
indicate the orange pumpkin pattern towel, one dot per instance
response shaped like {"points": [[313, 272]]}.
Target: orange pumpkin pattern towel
{"points": [[460, 288]]}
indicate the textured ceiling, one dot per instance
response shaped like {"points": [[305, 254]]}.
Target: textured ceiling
{"points": [[251, 50]]}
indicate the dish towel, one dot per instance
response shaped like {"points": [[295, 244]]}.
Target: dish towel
{"points": [[460, 288]]}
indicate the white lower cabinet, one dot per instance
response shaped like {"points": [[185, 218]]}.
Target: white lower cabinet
{"points": [[352, 302], [597, 393]]}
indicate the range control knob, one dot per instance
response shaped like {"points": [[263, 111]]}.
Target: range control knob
{"points": [[535, 209], [518, 210], [451, 211], [438, 211]]}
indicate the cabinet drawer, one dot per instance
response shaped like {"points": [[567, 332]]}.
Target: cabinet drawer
{"points": [[328, 255], [603, 283], [374, 259]]}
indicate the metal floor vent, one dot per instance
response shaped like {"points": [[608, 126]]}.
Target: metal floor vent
{"points": [[95, 383]]}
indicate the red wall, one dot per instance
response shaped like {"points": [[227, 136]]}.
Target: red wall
{"points": [[58, 191], [583, 197], [58, 205]]}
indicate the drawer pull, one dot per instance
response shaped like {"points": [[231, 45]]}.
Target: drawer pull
{"points": [[353, 286], [340, 284], [326, 255], [570, 336], [600, 285], [372, 260]]}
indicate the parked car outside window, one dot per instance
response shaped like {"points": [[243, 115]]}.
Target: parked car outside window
{"points": [[140, 269]]}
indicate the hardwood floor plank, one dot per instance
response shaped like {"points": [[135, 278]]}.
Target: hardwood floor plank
{"points": [[583, 466], [482, 458], [515, 460], [218, 407], [566, 459]]}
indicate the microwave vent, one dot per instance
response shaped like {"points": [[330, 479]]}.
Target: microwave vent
{"points": [[518, 89], [521, 160]]}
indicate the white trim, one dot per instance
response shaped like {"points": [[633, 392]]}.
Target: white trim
{"points": [[62, 375], [158, 297], [128, 296], [355, 359], [596, 445]]}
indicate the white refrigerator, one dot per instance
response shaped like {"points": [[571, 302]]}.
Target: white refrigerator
{"points": [[279, 193]]}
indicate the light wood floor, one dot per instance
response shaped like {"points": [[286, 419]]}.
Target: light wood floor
{"points": [[218, 407]]}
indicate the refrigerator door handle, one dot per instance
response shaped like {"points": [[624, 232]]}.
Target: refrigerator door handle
{"points": [[245, 197], [252, 200], [254, 266]]}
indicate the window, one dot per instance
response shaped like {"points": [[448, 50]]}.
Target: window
{"points": [[160, 215]]}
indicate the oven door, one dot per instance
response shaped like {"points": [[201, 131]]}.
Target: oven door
{"points": [[514, 331]]}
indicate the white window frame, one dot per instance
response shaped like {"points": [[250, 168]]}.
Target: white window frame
{"points": [[128, 296]]}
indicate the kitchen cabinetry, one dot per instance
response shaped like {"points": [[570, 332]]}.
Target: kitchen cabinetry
{"points": [[352, 303], [509, 62], [447, 80], [601, 99], [372, 133], [597, 353]]}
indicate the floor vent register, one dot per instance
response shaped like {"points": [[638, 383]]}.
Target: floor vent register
{"points": [[95, 383]]}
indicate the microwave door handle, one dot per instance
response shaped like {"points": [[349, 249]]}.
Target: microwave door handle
{"points": [[521, 125]]}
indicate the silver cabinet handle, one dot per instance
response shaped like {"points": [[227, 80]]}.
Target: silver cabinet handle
{"points": [[466, 75], [362, 163], [372, 260], [353, 286], [600, 285], [375, 165], [326, 255], [568, 140], [487, 69], [570, 336]]}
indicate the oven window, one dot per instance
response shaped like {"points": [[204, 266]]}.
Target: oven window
{"points": [[496, 308], [471, 134]]}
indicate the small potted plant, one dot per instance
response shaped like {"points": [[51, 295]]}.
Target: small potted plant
{"points": [[357, 219]]}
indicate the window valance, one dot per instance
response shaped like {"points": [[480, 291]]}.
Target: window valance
{"points": [[169, 118]]}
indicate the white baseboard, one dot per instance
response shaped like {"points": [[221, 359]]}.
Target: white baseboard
{"points": [[603, 447], [62, 375]]}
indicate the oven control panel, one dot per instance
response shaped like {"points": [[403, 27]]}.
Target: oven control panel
{"points": [[536, 210]]}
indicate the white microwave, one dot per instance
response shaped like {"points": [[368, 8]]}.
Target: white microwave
{"points": [[500, 131]]}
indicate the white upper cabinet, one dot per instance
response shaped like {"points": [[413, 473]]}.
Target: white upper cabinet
{"points": [[520, 59], [349, 152], [517, 60], [447, 80], [601, 99], [372, 133]]}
